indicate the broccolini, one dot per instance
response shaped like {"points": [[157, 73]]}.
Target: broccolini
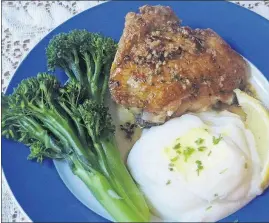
{"points": [[71, 122], [84, 56]]}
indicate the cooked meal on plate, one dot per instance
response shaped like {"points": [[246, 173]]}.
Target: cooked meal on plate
{"points": [[201, 147]]}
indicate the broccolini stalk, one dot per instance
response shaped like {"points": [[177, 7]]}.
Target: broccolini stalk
{"points": [[96, 54], [59, 123], [101, 187], [98, 123]]}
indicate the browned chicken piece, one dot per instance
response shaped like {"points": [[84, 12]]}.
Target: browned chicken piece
{"points": [[163, 70]]}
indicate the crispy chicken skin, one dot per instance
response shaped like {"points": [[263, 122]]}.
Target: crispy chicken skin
{"points": [[165, 70]]}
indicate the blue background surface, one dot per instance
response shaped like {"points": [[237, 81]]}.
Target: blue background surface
{"points": [[38, 188]]}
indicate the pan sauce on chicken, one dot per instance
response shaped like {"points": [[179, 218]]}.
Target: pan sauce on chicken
{"points": [[163, 70]]}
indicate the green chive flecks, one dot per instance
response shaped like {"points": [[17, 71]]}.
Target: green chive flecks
{"points": [[178, 152], [208, 208], [177, 146], [200, 166], [188, 152], [201, 148], [174, 159], [199, 141], [223, 171], [168, 182], [217, 140]]}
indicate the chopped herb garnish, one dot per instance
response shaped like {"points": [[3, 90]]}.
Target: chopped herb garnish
{"points": [[188, 152], [178, 152], [171, 164], [208, 208], [217, 140], [199, 141], [223, 171], [199, 166], [201, 148], [216, 195], [246, 165], [177, 146], [174, 159], [168, 182], [209, 153], [129, 129], [171, 169]]}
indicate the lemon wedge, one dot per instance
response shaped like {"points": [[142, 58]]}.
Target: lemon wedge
{"points": [[257, 121]]}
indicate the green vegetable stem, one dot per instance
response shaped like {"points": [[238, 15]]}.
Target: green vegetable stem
{"points": [[70, 122]]}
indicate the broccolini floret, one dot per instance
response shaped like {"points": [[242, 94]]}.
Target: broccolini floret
{"points": [[84, 56]]}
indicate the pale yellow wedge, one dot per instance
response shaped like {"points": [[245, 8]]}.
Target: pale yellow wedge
{"points": [[257, 121]]}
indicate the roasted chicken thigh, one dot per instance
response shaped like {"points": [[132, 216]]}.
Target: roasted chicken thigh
{"points": [[162, 69]]}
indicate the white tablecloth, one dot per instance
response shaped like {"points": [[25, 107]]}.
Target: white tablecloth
{"points": [[24, 23]]}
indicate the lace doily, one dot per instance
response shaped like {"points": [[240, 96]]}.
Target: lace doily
{"points": [[24, 23]]}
